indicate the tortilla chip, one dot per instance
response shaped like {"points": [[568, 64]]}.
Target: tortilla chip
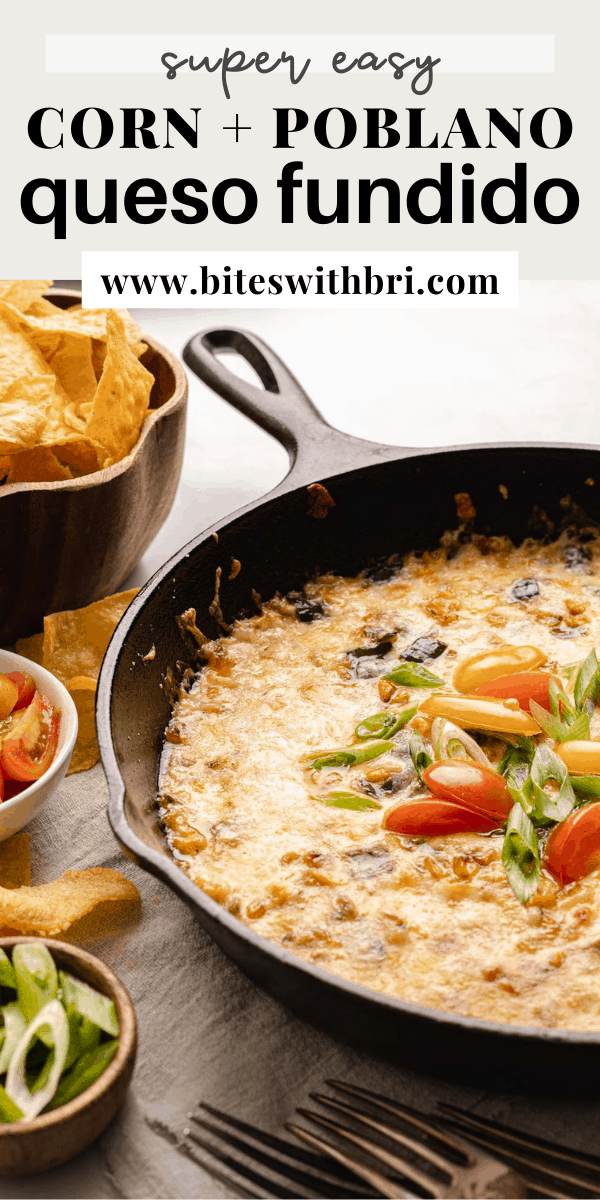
{"points": [[32, 648], [23, 292], [71, 362], [86, 753], [15, 862], [75, 642], [121, 400], [51, 908], [63, 425], [24, 409], [70, 385], [83, 323], [37, 466], [40, 308], [81, 457], [19, 357]]}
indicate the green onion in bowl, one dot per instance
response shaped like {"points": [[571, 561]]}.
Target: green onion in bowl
{"points": [[57, 1034]]}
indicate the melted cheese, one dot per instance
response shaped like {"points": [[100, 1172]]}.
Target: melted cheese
{"points": [[430, 921]]}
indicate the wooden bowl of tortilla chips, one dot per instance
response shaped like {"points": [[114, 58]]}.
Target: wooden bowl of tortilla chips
{"points": [[92, 426]]}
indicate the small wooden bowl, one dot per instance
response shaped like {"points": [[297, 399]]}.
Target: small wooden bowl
{"points": [[63, 545], [28, 1147]]}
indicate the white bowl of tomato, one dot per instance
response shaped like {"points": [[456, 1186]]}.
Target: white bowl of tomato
{"points": [[38, 730]]}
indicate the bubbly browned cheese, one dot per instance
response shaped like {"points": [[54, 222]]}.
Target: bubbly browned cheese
{"points": [[432, 921]]}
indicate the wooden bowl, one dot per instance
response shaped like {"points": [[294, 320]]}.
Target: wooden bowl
{"points": [[28, 1147], [63, 545]]}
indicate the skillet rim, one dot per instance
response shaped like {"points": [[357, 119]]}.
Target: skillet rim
{"points": [[165, 867]]}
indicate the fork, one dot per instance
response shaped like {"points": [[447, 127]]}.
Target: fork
{"points": [[435, 1162]]}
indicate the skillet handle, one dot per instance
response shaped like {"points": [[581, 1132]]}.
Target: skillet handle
{"points": [[281, 406]]}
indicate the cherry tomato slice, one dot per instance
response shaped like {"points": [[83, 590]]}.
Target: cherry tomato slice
{"points": [[9, 695], [431, 817], [25, 685], [471, 785], [30, 744], [524, 686], [573, 847], [14, 787]]}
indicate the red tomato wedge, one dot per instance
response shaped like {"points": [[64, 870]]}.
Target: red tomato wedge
{"points": [[431, 817], [29, 744], [9, 695], [523, 686], [25, 685], [14, 787], [573, 847], [471, 785]]}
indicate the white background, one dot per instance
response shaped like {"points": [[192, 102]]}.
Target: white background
{"points": [[546, 250], [408, 378]]}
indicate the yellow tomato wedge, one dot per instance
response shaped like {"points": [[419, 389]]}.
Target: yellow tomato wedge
{"points": [[481, 668], [9, 694], [580, 758], [478, 712]]}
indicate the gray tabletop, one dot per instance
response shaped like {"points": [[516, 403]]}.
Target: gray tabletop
{"points": [[206, 1032]]}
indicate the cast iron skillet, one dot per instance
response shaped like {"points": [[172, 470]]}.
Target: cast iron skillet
{"points": [[388, 499]]}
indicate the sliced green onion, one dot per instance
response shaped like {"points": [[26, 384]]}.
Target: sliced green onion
{"points": [[578, 730], [348, 758], [41, 1080], [548, 766], [569, 669], [7, 974], [346, 800], [421, 758], [510, 761], [448, 742], [519, 752], [375, 726], [75, 1048], [89, 1003], [36, 979], [586, 785], [14, 1028], [413, 675], [385, 724], [89, 1035], [521, 855], [556, 698], [86, 1071], [53, 1017], [520, 791], [587, 681], [9, 1111]]}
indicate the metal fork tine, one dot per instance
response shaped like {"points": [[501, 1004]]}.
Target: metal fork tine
{"points": [[529, 1171], [228, 1180], [319, 1162], [540, 1146], [394, 1134], [324, 1187], [373, 1177], [406, 1113], [397, 1164], [526, 1168], [273, 1189]]}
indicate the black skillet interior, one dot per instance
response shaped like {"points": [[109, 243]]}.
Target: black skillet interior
{"points": [[387, 500]]}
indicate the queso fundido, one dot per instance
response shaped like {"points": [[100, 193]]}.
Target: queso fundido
{"points": [[396, 776]]}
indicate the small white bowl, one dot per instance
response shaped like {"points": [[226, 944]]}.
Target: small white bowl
{"points": [[16, 813]]}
